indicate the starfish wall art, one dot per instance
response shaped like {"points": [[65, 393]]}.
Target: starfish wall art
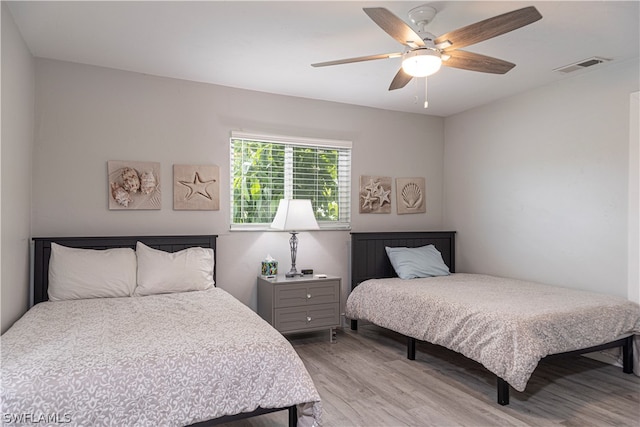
{"points": [[375, 194], [196, 187]]}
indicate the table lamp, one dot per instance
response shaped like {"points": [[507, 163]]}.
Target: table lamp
{"points": [[294, 215]]}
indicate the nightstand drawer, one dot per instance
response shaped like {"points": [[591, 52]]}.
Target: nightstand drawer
{"points": [[305, 318], [300, 304], [307, 294]]}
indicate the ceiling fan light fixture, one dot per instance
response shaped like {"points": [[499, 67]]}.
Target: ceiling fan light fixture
{"points": [[421, 62]]}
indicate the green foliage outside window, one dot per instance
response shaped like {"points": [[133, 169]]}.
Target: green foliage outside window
{"points": [[265, 172]]}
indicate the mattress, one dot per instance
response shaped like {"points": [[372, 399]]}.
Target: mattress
{"points": [[170, 360], [506, 325]]}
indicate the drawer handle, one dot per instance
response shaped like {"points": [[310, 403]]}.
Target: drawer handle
{"points": [[308, 319], [308, 296]]}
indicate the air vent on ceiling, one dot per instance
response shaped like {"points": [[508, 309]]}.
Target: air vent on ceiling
{"points": [[585, 63]]}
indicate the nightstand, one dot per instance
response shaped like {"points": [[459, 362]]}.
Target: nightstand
{"points": [[300, 304]]}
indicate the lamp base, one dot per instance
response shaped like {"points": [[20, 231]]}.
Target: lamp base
{"points": [[293, 243], [292, 273]]}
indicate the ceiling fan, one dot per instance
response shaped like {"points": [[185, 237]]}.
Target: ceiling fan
{"points": [[425, 53]]}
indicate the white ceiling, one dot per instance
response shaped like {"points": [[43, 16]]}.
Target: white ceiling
{"points": [[268, 46]]}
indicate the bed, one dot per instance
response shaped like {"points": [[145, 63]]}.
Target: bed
{"points": [[177, 351], [506, 325]]}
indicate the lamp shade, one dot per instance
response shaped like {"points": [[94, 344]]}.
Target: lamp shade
{"points": [[421, 62], [295, 215]]}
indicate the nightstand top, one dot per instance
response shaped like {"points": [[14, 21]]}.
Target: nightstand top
{"points": [[280, 278]]}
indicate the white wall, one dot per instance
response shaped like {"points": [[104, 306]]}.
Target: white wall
{"points": [[17, 143], [88, 115], [634, 197], [536, 185]]}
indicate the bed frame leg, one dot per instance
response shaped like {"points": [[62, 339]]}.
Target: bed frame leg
{"points": [[411, 348], [354, 325], [503, 392], [627, 355], [293, 416]]}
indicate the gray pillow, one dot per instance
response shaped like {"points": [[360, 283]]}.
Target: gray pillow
{"points": [[410, 263]]}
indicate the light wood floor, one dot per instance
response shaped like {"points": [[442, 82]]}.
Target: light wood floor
{"points": [[365, 379]]}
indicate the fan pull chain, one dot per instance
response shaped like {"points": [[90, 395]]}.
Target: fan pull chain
{"points": [[426, 103]]}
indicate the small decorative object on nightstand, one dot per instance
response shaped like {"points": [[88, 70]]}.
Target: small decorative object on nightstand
{"points": [[300, 304]]}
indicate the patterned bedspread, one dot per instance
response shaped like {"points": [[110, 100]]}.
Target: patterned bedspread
{"points": [[506, 325], [167, 360]]}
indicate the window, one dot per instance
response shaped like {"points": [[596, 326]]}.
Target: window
{"points": [[265, 169]]}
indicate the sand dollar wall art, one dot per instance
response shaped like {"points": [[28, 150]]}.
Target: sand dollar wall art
{"points": [[196, 187], [410, 195], [133, 185]]}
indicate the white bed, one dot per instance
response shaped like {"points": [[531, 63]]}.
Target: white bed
{"points": [[506, 325], [170, 359]]}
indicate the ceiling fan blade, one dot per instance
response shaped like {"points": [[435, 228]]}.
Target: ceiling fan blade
{"points": [[400, 80], [489, 28], [476, 62], [394, 26], [358, 59]]}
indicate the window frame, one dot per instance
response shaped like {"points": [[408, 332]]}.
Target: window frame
{"points": [[344, 182]]}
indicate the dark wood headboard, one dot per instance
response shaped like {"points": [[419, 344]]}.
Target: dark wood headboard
{"points": [[42, 252], [369, 259]]}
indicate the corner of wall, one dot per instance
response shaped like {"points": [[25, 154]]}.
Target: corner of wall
{"points": [[634, 198], [17, 123]]}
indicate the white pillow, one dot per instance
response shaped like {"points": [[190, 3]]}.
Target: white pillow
{"points": [[161, 272], [88, 273]]}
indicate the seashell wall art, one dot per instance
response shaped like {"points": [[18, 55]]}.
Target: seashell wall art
{"points": [[196, 187], [133, 185], [410, 195]]}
